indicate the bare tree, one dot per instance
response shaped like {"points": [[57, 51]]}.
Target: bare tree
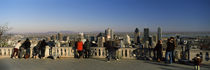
{"points": [[3, 28], [3, 39]]}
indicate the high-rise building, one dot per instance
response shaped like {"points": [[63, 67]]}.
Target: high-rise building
{"points": [[53, 37], [100, 41], [159, 34], [81, 36], [146, 34], [109, 35], [92, 38], [154, 37], [150, 40], [127, 41], [48, 38], [60, 37], [136, 36], [66, 38]]}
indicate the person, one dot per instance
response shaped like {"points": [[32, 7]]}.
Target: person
{"points": [[207, 56], [197, 62], [169, 51], [16, 49], [80, 48], [117, 45], [87, 45], [21, 51], [158, 48], [111, 50], [36, 50], [27, 45], [173, 49], [42, 48]]}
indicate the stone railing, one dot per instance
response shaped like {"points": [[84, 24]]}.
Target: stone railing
{"points": [[5, 52], [62, 52], [100, 52], [96, 52], [126, 53]]}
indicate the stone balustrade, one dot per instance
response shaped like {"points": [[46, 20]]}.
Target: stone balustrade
{"points": [[5, 52], [99, 52], [62, 52]]}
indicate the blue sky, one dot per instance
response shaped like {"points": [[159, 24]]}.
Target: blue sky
{"points": [[97, 15]]}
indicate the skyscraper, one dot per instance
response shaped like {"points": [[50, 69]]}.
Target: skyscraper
{"points": [[136, 36], [127, 41], [146, 34], [53, 37], [109, 35], [159, 34], [81, 36], [48, 38], [66, 38], [60, 37], [100, 40]]}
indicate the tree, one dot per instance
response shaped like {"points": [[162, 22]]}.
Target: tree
{"points": [[3, 28]]}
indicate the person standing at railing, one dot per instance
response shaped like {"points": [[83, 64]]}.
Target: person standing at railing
{"points": [[197, 61], [87, 48], [169, 50], [27, 46], [16, 49], [158, 49], [80, 48], [43, 47], [111, 47], [118, 44], [36, 50]]}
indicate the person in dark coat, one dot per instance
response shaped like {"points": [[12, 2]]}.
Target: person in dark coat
{"points": [[36, 50], [158, 48], [169, 50], [27, 46], [197, 61], [87, 46], [42, 48], [111, 47]]}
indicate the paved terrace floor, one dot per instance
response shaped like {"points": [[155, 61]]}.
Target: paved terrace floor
{"points": [[89, 64]]}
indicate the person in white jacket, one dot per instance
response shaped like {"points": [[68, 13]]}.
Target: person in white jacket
{"points": [[16, 49]]}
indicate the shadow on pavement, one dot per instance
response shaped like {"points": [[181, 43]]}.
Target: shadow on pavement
{"points": [[167, 65]]}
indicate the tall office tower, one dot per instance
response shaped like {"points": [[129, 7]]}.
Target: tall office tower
{"points": [[66, 38], [100, 41], [53, 37], [136, 36], [48, 38], [60, 37], [127, 41], [81, 36], [150, 40], [92, 38], [154, 37], [159, 34], [109, 35], [146, 34]]}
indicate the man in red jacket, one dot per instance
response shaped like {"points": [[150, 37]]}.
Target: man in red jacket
{"points": [[80, 48]]}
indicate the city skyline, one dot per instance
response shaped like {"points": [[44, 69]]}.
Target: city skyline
{"points": [[97, 15]]}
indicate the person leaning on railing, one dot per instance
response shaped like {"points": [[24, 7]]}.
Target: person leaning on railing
{"points": [[16, 49], [27, 46]]}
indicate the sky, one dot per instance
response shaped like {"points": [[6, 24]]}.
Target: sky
{"points": [[97, 15]]}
